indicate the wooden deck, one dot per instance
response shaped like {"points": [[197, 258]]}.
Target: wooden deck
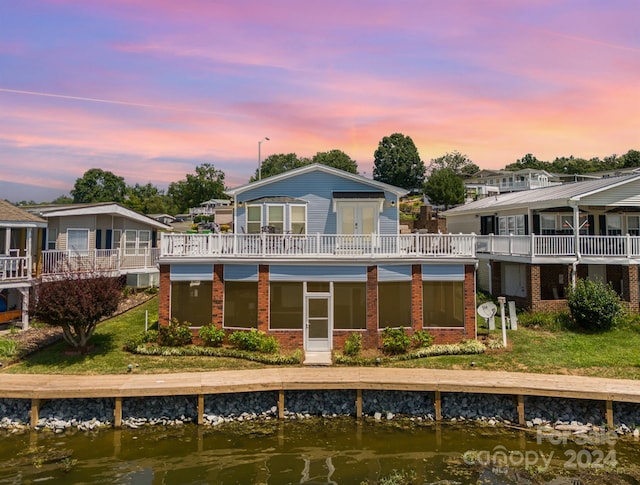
{"points": [[41, 387]]}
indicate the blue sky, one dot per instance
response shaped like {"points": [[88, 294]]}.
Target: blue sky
{"points": [[151, 89]]}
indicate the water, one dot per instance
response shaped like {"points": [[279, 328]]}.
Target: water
{"points": [[337, 451]]}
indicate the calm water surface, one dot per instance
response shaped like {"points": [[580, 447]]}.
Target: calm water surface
{"points": [[338, 451]]}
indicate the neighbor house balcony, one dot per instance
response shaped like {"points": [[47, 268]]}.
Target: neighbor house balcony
{"points": [[561, 247], [114, 261], [316, 246], [14, 268]]}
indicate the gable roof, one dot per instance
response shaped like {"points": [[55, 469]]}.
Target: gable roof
{"points": [[11, 215], [109, 208], [555, 196], [317, 167]]}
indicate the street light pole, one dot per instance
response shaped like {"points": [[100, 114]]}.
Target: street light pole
{"points": [[266, 138]]}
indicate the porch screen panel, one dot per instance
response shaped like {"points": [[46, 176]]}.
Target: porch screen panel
{"points": [[443, 303], [286, 304], [241, 304], [349, 306], [191, 302], [394, 304]]}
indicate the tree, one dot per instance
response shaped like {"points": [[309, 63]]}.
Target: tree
{"points": [[207, 183], [63, 199], [76, 303], [336, 159], [148, 199], [456, 161], [279, 163], [444, 187], [397, 162], [528, 161], [96, 185], [630, 159]]}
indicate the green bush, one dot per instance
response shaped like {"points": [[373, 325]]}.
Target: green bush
{"points": [[254, 341], [422, 338], [395, 341], [8, 348], [212, 336], [353, 345], [594, 305], [141, 338], [175, 334], [152, 290]]}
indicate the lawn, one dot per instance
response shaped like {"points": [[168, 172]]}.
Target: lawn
{"points": [[611, 354]]}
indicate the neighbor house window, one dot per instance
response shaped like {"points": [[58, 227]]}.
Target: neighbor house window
{"points": [[241, 304], [350, 306], [254, 219], [511, 225], [442, 304], [52, 236], [117, 237], [136, 242], [394, 304], [614, 225], [633, 225], [191, 302], [285, 305], [78, 241]]}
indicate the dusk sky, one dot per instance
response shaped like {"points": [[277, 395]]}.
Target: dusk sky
{"points": [[149, 89]]}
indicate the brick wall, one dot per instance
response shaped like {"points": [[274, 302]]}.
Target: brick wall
{"points": [[263, 298], [416, 297], [370, 337], [164, 295], [217, 296]]}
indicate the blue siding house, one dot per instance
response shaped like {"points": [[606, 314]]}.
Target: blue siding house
{"points": [[315, 255]]}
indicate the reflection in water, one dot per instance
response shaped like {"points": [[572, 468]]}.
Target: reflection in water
{"points": [[337, 451]]}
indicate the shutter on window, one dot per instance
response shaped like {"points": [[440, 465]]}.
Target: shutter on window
{"points": [[536, 223]]}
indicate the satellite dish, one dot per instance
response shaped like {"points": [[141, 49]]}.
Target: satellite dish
{"points": [[487, 309]]}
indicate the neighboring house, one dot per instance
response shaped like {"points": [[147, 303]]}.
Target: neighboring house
{"points": [[533, 244], [512, 181], [166, 219], [208, 208], [101, 237], [316, 255], [20, 236]]}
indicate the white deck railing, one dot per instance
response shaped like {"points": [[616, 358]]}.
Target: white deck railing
{"points": [[560, 245], [317, 245], [13, 268], [98, 260]]}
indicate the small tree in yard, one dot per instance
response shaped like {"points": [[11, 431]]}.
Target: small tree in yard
{"points": [[594, 305], [76, 304]]}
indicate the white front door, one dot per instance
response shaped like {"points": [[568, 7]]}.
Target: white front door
{"points": [[318, 326]]}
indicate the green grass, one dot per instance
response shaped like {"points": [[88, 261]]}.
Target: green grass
{"points": [[108, 356], [610, 354]]}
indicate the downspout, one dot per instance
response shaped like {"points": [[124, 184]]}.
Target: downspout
{"points": [[576, 241]]}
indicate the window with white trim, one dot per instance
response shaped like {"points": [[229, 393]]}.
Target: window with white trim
{"points": [[52, 236], [254, 219], [78, 241], [275, 217], [633, 225], [298, 219], [136, 242], [614, 225], [511, 225], [117, 238]]}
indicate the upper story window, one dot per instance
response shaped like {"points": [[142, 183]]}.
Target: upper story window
{"points": [[511, 225], [298, 219], [275, 218], [633, 225], [52, 236], [254, 219], [614, 225]]}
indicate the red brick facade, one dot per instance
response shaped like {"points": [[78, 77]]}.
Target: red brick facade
{"points": [[371, 336], [547, 285]]}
